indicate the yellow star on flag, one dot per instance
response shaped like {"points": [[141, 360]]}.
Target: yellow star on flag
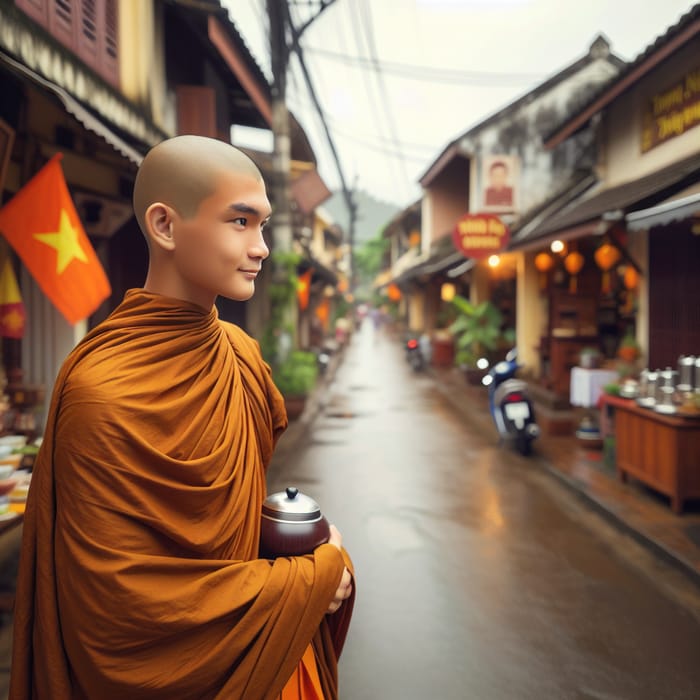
{"points": [[13, 320], [65, 241]]}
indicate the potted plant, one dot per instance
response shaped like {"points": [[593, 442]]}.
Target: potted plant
{"points": [[442, 342], [295, 377], [478, 334], [589, 357], [629, 349]]}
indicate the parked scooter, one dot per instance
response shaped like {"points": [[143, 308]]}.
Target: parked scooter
{"points": [[510, 405], [414, 354]]}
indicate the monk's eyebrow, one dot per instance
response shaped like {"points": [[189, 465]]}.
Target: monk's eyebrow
{"points": [[241, 208]]}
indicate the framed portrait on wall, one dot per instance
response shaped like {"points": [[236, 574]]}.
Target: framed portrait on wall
{"points": [[499, 183]]}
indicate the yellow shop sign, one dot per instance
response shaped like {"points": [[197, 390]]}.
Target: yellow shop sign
{"points": [[672, 112]]}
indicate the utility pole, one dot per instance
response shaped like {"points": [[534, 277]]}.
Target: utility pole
{"points": [[278, 13], [284, 38]]}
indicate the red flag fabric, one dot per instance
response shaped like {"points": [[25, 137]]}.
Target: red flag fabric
{"points": [[12, 315], [40, 222]]}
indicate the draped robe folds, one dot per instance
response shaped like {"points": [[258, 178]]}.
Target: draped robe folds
{"points": [[139, 575]]}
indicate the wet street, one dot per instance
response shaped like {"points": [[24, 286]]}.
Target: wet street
{"points": [[478, 576]]}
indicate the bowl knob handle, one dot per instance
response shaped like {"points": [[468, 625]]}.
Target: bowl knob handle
{"points": [[291, 492]]}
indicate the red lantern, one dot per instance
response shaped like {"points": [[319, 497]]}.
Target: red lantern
{"points": [[393, 292], [606, 258], [573, 263], [304, 288], [631, 278], [323, 312], [544, 262], [631, 281]]}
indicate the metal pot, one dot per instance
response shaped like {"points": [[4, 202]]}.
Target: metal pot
{"points": [[291, 525]]}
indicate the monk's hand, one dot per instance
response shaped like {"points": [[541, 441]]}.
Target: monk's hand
{"points": [[345, 586]]}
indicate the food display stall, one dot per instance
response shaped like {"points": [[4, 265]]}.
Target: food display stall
{"points": [[660, 449]]}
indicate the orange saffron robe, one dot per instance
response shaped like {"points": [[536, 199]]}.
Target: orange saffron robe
{"points": [[139, 574]]}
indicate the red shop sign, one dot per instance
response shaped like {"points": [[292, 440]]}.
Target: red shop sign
{"points": [[480, 235]]}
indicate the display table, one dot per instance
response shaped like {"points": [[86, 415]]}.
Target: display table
{"points": [[587, 385], [662, 451]]}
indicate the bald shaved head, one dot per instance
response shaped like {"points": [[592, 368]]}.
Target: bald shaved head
{"points": [[182, 171]]}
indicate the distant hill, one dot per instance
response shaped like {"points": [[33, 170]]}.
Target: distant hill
{"points": [[372, 214]]}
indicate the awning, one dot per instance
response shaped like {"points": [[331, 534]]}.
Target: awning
{"points": [[663, 214], [309, 191], [320, 271], [439, 263], [88, 120], [585, 214]]}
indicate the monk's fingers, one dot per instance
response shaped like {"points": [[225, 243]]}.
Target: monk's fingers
{"points": [[335, 537], [345, 588]]}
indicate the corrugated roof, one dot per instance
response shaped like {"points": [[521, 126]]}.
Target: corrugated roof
{"points": [[74, 107], [452, 148], [644, 192], [685, 29]]}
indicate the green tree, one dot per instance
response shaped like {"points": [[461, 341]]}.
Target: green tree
{"points": [[369, 258]]}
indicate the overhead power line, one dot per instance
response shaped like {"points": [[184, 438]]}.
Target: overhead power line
{"points": [[367, 24], [426, 73]]}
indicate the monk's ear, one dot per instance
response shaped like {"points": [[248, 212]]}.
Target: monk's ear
{"points": [[159, 225]]}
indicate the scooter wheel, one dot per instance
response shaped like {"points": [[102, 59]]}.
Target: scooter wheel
{"points": [[523, 445]]}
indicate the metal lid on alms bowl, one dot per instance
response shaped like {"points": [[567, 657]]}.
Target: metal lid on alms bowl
{"points": [[291, 505]]}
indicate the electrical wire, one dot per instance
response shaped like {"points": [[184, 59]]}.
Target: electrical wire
{"points": [[427, 74], [391, 121], [373, 100], [427, 149]]}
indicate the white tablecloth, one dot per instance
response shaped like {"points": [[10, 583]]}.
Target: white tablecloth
{"points": [[587, 385]]}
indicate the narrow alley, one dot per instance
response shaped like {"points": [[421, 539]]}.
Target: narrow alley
{"points": [[478, 576]]}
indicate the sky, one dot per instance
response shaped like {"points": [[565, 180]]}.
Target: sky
{"points": [[399, 80]]}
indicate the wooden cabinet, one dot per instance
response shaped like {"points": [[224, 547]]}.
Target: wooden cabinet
{"points": [[563, 356], [572, 327], [661, 451]]}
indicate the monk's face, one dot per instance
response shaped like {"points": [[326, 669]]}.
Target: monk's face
{"points": [[220, 249]]}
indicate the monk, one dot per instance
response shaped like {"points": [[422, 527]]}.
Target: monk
{"points": [[139, 572]]}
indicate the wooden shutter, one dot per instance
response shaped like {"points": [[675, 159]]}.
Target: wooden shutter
{"points": [[110, 47], [38, 10], [89, 28], [63, 21], [674, 291], [196, 110], [97, 37]]}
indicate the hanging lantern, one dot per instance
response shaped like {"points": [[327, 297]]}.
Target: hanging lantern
{"points": [[631, 281], [573, 263], [323, 312], [544, 262], [630, 278], [606, 258], [393, 292], [304, 288]]}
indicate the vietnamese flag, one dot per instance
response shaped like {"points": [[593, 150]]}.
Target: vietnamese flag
{"points": [[40, 222], [12, 316]]}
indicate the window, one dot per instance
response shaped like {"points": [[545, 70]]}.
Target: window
{"points": [[89, 28]]}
